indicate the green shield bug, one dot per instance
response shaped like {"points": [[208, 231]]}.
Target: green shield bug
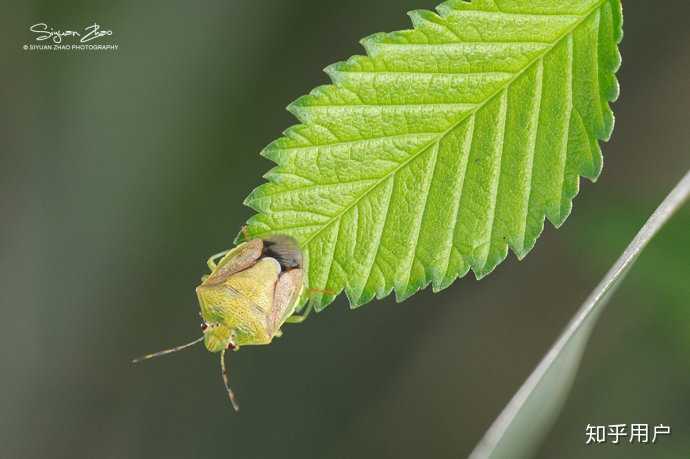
{"points": [[248, 295]]}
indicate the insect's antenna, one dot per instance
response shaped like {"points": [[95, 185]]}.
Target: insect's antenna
{"points": [[224, 372], [168, 351]]}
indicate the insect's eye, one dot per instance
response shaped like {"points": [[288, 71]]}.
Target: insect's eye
{"points": [[231, 346], [204, 326]]}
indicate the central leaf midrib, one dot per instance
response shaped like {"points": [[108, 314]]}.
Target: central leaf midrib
{"points": [[455, 124]]}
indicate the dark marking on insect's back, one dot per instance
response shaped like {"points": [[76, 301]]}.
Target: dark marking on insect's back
{"points": [[285, 250]]}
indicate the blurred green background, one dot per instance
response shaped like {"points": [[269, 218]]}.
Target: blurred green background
{"points": [[120, 172]]}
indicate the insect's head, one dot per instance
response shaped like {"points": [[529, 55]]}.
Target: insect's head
{"points": [[218, 337]]}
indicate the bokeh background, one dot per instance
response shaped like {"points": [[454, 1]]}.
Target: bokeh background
{"points": [[120, 172]]}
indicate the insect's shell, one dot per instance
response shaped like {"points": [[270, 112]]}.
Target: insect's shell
{"points": [[251, 292]]}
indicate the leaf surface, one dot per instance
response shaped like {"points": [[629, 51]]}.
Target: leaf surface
{"points": [[444, 146]]}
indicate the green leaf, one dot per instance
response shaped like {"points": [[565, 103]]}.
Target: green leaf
{"points": [[445, 145], [518, 430]]}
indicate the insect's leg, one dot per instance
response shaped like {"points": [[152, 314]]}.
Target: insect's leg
{"points": [[211, 262], [299, 318], [245, 233], [302, 316]]}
